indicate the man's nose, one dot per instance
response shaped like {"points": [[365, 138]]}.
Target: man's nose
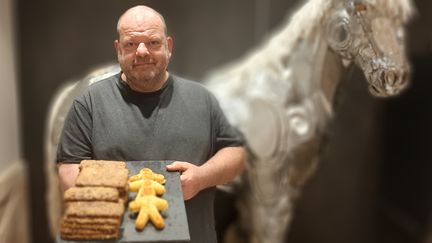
{"points": [[142, 50]]}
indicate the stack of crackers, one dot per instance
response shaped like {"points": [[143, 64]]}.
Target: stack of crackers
{"points": [[95, 206]]}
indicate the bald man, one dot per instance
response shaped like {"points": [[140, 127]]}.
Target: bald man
{"points": [[146, 113]]}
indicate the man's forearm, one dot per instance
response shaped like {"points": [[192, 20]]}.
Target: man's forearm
{"points": [[67, 175], [224, 166]]}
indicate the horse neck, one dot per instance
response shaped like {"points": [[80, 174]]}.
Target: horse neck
{"points": [[315, 74], [332, 70]]}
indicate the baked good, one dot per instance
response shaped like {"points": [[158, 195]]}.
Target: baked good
{"points": [[91, 194], [92, 221], [95, 207], [103, 164], [107, 176], [148, 174], [135, 186], [147, 204]]}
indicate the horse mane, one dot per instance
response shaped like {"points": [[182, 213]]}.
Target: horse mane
{"points": [[310, 15], [403, 9], [274, 52]]}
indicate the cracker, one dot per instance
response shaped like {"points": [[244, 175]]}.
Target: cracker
{"points": [[95, 209], [91, 194], [66, 230], [104, 176], [102, 163], [90, 237], [101, 227], [95, 221]]}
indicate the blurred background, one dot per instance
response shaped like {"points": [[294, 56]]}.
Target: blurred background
{"points": [[374, 184]]}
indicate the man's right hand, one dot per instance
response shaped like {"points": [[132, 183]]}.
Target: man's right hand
{"points": [[68, 173]]}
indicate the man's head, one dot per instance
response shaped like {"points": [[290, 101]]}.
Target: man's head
{"points": [[143, 48]]}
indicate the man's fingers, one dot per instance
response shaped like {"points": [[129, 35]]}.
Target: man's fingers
{"points": [[177, 166]]}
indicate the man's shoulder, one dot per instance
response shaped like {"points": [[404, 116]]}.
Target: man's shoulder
{"points": [[94, 87], [194, 91], [102, 82], [189, 85]]}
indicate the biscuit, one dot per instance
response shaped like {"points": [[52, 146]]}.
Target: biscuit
{"points": [[94, 220], [101, 227], [136, 186], [148, 174], [91, 194], [103, 176], [90, 237], [148, 207], [102, 163], [65, 230], [95, 209]]}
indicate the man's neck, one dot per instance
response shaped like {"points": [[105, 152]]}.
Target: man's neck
{"points": [[146, 87]]}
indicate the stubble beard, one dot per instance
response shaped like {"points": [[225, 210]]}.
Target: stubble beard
{"points": [[144, 78]]}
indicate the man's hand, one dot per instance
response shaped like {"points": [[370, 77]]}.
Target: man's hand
{"points": [[191, 178], [67, 175], [223, 167]]}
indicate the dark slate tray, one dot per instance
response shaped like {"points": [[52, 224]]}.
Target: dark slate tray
{"points": [[176, 227]]}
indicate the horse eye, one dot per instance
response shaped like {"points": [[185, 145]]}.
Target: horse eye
{"points": [[338, 34], [341, 33]]}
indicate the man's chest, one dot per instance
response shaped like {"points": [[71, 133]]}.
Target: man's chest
{"points": [[178, 132]]}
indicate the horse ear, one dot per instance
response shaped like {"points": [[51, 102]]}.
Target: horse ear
{"points": [[359, 5]]}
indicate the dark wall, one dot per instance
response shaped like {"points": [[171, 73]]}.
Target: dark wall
{"points": [[339, 203], [406, 168], [63, 40], [374, 183], [405, 171]]}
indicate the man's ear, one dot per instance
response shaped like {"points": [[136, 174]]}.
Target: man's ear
{"points": [[117, 46], [170, 43]]}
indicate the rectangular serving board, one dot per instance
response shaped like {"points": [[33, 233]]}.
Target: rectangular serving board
{"points": [[176, 226]]}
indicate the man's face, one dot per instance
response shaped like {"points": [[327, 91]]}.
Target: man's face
{"points": [[143, 50]]}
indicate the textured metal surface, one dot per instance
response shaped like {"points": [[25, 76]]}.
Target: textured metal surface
{"points": [[176, 226]]}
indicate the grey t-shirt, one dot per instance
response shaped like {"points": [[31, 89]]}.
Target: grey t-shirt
{"points": [[182, 121]]}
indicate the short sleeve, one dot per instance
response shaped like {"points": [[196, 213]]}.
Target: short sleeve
{"points": [[75, 140], [225, 134]]}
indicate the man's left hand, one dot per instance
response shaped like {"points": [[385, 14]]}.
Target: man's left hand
{"points": [[190, 176]]}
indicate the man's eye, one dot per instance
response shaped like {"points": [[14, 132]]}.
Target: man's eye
{"points": [[154, 43], [129, 45]]}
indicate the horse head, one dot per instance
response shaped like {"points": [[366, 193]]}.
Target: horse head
{"points": [[370, 33]]}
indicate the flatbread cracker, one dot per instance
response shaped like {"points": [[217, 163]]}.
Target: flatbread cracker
{"points": [[90, 237], [102, 163], [104, 176], [102, 227], [95, 209], [94, 221], [91, 194]]}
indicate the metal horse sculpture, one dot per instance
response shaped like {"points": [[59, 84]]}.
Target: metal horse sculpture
{"points": [[280, 97]]}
